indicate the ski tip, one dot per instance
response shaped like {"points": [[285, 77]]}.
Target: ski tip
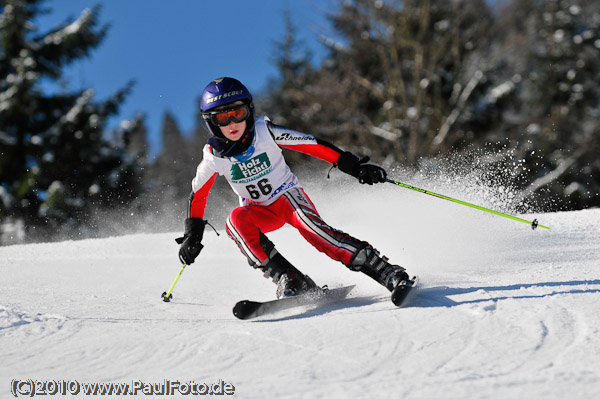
{"points": [[245, 309], [238, 309]]}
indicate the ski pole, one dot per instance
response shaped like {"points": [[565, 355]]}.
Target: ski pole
{"points": [[166, 296], [533, 224]]}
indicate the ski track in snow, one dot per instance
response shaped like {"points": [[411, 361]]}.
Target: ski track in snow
{"points": [[501, 312]]}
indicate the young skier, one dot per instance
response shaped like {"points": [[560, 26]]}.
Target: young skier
{"points": [[247, 152]]}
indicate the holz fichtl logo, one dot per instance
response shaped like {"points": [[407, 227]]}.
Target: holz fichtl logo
{"points": [[252, 169]]}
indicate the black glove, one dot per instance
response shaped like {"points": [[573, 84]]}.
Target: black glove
{"points": [[191, 240], [364, 171]]}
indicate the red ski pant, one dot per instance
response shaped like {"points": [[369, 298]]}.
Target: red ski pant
{"points": [[246, 223]]}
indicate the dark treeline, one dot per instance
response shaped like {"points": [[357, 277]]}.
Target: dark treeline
{"points": [[512, 83]]}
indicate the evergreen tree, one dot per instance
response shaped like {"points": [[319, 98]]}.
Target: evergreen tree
{"points": [[134, 133], [58, 165], [409, 80], [290, 100], [289, 91], [410, 73], [557, 47], [173, 170]]}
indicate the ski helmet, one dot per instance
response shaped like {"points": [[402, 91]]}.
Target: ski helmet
{"points": [[221, 92]]}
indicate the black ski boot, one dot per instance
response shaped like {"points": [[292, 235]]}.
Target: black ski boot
{"points": [[292, 284], [290, 281], [368, 261]]}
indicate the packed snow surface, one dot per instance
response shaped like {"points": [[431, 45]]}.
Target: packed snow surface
{"points": [[502, 311]]}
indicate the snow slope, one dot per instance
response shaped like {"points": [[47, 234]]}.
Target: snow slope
{"points": [[502, 312]]}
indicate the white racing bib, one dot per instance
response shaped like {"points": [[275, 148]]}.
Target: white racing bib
{"points": [[260, 179]]}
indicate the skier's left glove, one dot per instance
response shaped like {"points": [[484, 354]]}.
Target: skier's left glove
{"points": [[361, 168], [191, 242]]}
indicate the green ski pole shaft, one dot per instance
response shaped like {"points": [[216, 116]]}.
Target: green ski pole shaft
{"points": [[166, 296], [533, 224]]}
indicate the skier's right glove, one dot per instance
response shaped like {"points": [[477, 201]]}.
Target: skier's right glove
{"points": [[361, 168], [191, 242]]}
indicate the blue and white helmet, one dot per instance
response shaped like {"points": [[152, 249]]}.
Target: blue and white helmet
{"points": [[221, 92]]}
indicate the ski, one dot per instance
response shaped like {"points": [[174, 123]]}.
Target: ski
{"points": [[250, 309], [401, 292]]}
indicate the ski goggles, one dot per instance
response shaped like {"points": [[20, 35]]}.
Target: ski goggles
{"points": [[224, 117]]}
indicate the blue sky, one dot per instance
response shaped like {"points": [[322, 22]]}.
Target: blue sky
{"points": [[174, 48]]}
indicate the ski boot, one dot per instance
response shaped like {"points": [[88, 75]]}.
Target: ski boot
{"points": [[292, 284], [370, 262], [290, 281]]}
